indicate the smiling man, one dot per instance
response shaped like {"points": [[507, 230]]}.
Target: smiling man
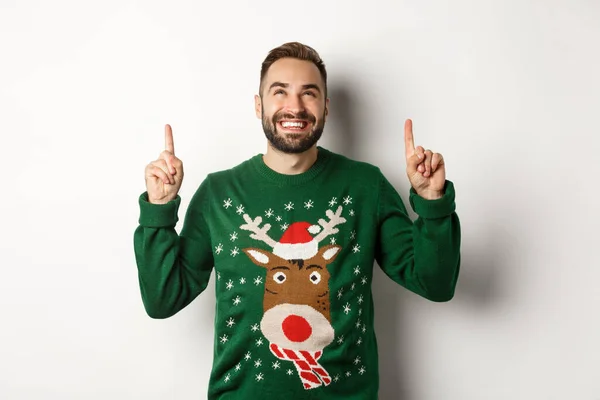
{"points": [[292, 236]]}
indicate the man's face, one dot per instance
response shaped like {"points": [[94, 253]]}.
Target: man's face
{"points": [[292, 105]]}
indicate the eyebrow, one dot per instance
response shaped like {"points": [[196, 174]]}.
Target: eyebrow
{"points": [[304, 87]]}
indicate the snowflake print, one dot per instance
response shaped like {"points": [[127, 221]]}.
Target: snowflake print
{"points": [[351, 212], [336, 378], [357, 360], [259, 342], [289, 206], [242, 281], [276, 365], [224, 339], [238, 367], [364, 328], [218, 276], [356, 249], [333, 202], [284, 227], [247, 357], [341, 339], [353, 286], [233, 237], [257, 363], [308, 204], [254, 328], [352, 235], [230, 322], [359, 341], [235, 251], [240, 209], [347, 200], [360, 299], [347, 308], [278, 218], [229, 285], [360, 311], [269, 213], [348, 374], [259, 377], [227, 378], [340, 292], [358, 324], [258, 280], [363, 280], [357, 270], [227, 203], [219, 248], [237, 301], [332, 240], [290, 372]]}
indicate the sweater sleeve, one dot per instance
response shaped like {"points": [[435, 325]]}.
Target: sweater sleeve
{"points": [[422, 256], [173, 269]]}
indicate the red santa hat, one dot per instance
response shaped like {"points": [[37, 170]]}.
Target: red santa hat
{"points": [[297, 242]]}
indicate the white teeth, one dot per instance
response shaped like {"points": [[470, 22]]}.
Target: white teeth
{"points": [[292, 124]]}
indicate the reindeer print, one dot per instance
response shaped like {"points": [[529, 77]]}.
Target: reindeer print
{"points": [[296, 305]]}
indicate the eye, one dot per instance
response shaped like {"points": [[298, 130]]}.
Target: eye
{"points": [[315, 277], [310, 94], [279, 277], [279, 91]]}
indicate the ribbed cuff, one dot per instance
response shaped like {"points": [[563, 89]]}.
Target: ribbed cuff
{"points": [[158, 215], [438, 208]]}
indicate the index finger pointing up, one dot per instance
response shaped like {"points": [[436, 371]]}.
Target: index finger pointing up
{"points": [[409, 141], [169, 146]]}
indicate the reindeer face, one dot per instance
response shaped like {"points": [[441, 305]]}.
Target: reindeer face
{"points": [[296, 301], [296, 281]]}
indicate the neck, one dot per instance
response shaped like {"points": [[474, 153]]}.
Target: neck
{"points": [[290, 164]]}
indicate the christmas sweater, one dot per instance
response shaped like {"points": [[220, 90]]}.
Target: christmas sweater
{"points": [[293, 259]]}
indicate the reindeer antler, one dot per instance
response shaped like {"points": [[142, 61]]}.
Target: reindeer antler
{"points": [[258, 233], [329, 227]]}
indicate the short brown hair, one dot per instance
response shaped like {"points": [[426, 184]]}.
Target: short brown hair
{"points": [[293, 50]]}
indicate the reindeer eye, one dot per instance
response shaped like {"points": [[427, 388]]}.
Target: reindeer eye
{"points": [[279, 277], [315, 277]]}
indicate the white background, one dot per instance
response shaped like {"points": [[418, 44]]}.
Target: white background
{"points": [[508, 91]]}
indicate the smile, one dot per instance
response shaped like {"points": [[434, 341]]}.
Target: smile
{"points": [[293, 125]]}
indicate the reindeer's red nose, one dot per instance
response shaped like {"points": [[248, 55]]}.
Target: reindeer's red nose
{"points": [[296, 328]]}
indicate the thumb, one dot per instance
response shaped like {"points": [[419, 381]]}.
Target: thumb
{"points": [[413, 162]]}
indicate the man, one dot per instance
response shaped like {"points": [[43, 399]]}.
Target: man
{"points": [[293, 235]]}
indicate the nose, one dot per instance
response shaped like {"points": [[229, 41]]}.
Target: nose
{"points": [[294, 104], [296, 328]]}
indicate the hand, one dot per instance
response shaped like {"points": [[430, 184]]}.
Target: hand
{"points": [[164, 176], [426, 170]]}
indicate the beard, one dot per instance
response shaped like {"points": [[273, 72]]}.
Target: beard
{"points": [[292, 143]]}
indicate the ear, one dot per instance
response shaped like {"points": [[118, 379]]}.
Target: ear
{"points": [[327, 106], [260, 257], [328, 253], [257, 106]]}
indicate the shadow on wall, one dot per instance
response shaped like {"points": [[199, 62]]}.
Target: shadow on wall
{"points": [[477, 285], [340, 122]]}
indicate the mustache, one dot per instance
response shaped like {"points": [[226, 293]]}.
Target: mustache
{"points": [[301, 115]]}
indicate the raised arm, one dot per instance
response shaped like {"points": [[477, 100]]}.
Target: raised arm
{"points": [[172, 268]]}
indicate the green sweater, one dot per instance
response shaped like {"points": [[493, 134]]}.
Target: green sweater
{"points": [[293, 257]]}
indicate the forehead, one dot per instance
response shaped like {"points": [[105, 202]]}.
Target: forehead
{"points": [[293, 72]]}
